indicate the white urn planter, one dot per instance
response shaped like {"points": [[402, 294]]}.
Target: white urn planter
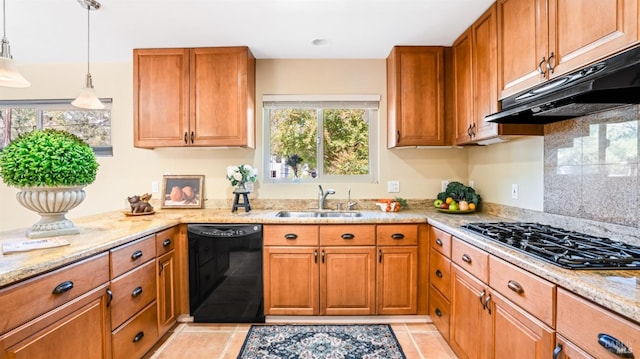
{"points": [[52, 204]]}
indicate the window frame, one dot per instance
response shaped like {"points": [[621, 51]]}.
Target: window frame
{"points": [[41, 105], [371, 103]]}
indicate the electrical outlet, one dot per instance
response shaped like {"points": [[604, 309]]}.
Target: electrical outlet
{"points": [[514, 191], [471, 183], [393, 186], [444, 185], [154, 187]]}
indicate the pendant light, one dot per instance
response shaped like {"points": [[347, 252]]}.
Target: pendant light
{"points": [[87, 98], [9, 74]]}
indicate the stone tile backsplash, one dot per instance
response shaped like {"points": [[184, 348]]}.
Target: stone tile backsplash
{"points": [[591, 167]]}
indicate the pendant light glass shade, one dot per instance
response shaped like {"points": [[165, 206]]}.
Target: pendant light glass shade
{"points": [[9, 74], [87, 98]]}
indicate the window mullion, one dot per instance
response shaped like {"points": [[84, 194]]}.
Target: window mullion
{"points": [[320, 143]]}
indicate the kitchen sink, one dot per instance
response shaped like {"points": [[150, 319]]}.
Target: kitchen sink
{"points": [[313, 214]]}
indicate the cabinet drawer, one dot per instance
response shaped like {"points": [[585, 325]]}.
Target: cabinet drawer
{"points": [[472, 259], [129, 256], [440, 273], [24, 301], [440, 241], [568, 350], [440, 312], [348, 235], [132, 292], [397, 235], [165, 241], [137, 335], [581, 322], [288, 235], [529, 292]]}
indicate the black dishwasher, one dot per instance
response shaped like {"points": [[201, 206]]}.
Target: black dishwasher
{"points": [[225, 273]]}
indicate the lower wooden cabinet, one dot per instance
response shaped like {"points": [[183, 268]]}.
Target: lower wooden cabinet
{"points": [[136, 336], [79, 329], [339, 270], [347, 280], [166, 269], [291, 280]]}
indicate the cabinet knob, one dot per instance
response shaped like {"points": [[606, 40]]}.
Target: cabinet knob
{"points": [[138, 337], [438, 273], [438, 312], [137, 254], [540, 69], [439, 242], [549, 67], [63, 287], [136, 292], [614, 345], [515, 286], [166, 242]]}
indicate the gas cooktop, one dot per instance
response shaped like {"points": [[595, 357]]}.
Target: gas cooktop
{"points": [[564, 248]]}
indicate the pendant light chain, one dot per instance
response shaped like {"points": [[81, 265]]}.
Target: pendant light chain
{"points": [[88, 37]]}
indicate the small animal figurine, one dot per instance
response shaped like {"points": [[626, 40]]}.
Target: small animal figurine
{"points": [[139, 206]]}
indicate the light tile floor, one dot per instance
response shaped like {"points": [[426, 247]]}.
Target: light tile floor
{"points": [[222, 341]]}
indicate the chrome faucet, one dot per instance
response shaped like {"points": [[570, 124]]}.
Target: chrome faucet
{"points": [[322, 196], [350, 204]]}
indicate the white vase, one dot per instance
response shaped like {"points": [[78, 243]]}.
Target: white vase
{"points": [[52, 204]]}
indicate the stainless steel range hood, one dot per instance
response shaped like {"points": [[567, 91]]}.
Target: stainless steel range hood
{"points": [[610, 83]]}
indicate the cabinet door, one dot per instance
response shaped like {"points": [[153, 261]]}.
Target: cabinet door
{"points": [[522, 44], [470, 332], [291, 280], [160, 97], [222, 97], [347, 280], [463, 88], [415, 96], [485, 74], [397, 280], [567, 350], [527, 336], [581, 32], [166, 269], [77, 330]]}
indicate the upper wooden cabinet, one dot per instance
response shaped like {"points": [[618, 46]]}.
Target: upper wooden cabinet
{"points": [[475, 81], [194, 97], [542, 39], [415, 96]]}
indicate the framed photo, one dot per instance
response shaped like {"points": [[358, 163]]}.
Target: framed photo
{"points": [[182, 191]]}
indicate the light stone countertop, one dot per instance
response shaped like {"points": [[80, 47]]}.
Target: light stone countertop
{"points": [[617, 290]]}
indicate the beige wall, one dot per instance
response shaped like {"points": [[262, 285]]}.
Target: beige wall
{"points": [[131, 170]]}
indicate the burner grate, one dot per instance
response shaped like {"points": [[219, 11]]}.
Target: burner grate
{"points": [[564, 248]]}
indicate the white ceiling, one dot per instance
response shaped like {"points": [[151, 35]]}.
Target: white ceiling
{"points": [[55, 31]]}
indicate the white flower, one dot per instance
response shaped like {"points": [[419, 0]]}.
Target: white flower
{"points": [[231, 170], [237, 176]]}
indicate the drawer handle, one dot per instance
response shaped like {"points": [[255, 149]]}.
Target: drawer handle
{"points": [[322, 255], [315, 256], [515, 286], [380, 255], [466, 258], [192, 135], [136, 292], [185, 138], [137, 254], [614, 345], [438, 312], [439, 242], [109, 296], [438, 273], [290, 236], [397, 236], [481, 297], [348, 236], [138, 337], [557, 351], [63, 287], [166, 243]]}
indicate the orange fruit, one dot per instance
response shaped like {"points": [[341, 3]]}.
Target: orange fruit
{"points": [[472, 206], [449, 200]]}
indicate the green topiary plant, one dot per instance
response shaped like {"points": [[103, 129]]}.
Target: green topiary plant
{"points": [[48, 158]]}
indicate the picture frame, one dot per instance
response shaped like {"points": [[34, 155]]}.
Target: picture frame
{"points": [[179, 191]]}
